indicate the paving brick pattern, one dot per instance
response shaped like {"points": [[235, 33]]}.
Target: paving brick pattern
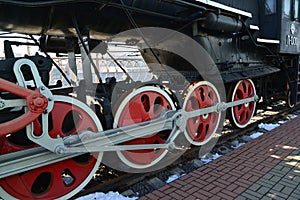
{"points": [[281, 182], [264, 168]]}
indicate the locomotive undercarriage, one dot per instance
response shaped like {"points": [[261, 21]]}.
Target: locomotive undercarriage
{"points": [[42, 115]]}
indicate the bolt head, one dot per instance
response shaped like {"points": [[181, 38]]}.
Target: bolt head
{"points": [[2, 104]]}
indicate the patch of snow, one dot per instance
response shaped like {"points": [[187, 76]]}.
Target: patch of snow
{"points": [[215, 156], [206, 159], [256, 135], [173, 178], [108, 196], [238, 145], [268, 127], [294, 116], [282, 122]]}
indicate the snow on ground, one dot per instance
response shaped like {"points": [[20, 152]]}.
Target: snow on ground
{"points": [[282, 122], [108, 196], [238, 145], [256, 135], [294, 116], [206, 159], [268, 127], [173, 178]]}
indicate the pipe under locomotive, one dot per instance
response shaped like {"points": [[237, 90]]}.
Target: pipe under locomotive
{"points": [[208, 59]]}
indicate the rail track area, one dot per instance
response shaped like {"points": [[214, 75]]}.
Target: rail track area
{"points": [[160, 184]]}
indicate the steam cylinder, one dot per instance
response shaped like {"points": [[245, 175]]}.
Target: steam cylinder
{"points": [[221, 23]]}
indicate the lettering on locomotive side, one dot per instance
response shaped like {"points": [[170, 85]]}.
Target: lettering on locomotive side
{"points": [[291, 39]]}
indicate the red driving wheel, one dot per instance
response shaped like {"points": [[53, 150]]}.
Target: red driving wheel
{"points": [[143, 104], [200, 129], [62, 179], [241, 115]]}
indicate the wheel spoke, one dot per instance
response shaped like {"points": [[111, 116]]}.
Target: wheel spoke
{"points": [[200, 132], [249, 111], [243, 116], [239, 109], [199, 93], [58, 114], [134, 116], [245, 89], [84, 122], [156, 105]]}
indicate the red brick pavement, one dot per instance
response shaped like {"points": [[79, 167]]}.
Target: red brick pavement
{"points": [[233, 173]]}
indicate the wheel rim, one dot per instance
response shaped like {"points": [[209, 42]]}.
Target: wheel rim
{"points": [[289, 100], [63, 179], [242, 114], [144, 104], [201, 129]]}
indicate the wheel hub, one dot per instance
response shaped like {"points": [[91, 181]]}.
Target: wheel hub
{"points": [[205, 116]]}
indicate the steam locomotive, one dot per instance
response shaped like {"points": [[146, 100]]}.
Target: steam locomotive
{"points": [[209, 59]]}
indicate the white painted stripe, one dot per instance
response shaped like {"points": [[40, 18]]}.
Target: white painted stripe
{"points": [[254, 27], [268, 41], [224, 7]]}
